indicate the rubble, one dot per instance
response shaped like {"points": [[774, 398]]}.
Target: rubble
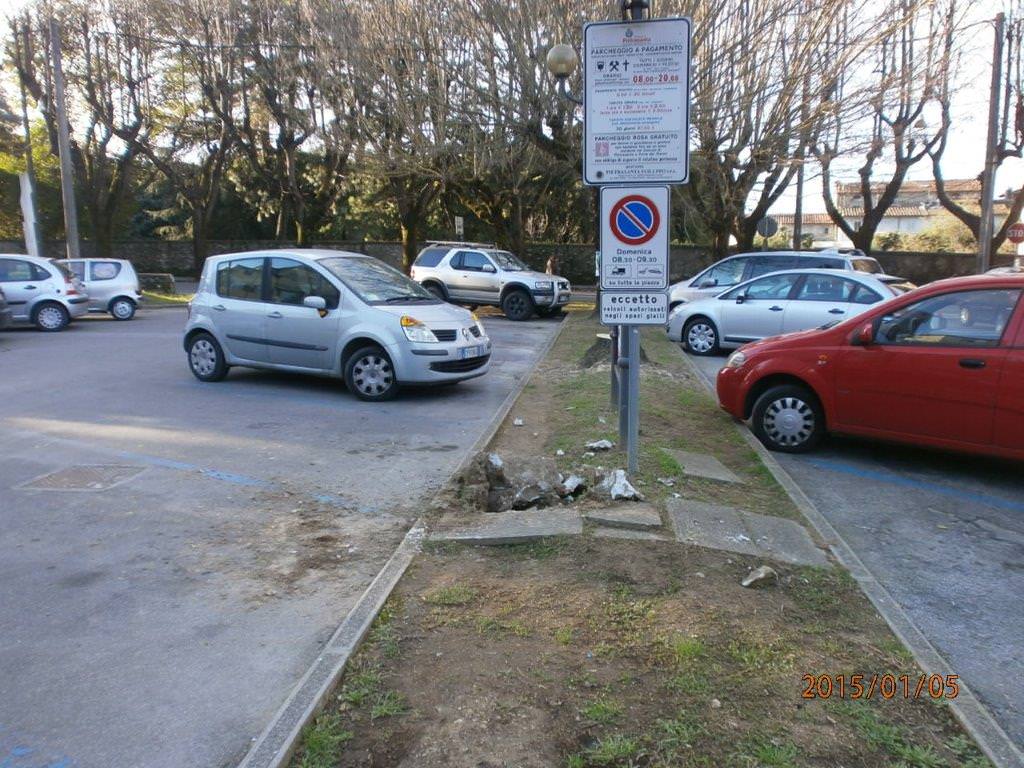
{"points": [[600, 445], [617, 486], [760, 576]]}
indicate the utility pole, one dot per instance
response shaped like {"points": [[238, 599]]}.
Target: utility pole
{"points": [[67, 180], [35, 247], [988, 175]]}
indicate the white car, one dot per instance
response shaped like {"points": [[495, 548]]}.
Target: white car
{"points": [[781, 302], [41, 291], [330, 313]]}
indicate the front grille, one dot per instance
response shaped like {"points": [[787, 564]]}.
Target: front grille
{"points": [[446, 334], [460, 366]]}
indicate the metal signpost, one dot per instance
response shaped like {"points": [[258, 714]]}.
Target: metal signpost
{"points": [[636, 127]]}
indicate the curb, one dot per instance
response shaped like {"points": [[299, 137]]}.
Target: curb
{"points": [[972, 714], [276, 744]]}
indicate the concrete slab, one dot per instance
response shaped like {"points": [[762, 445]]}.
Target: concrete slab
{"points": [[732, 530], [705, 466], [515, 527], [624, 533], [710, 525], [638, 517]]}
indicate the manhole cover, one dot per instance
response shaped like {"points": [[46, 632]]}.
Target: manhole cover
{"points": [[84, 477]]}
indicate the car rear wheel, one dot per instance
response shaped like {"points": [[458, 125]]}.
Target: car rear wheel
{"points": [[437, 290], [51, 317], [700, 336], [206, 359], [788, 418], [370, 375], [122, 308], [517, 305]]}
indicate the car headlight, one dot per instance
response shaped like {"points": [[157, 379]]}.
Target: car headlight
{"points": [[479, 325], [417, 331], [544, 286], [736, 360]]}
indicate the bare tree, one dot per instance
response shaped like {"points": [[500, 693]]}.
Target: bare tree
{"points": [[909, 66], [1010, 136]]}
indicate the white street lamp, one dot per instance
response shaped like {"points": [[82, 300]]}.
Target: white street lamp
{"points": [[562, 62]]}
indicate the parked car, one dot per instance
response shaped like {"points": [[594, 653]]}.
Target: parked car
{"points": [[112, 284], [330, 313], [41, 291], [5, 311], [915, 369], [477, 274], [744, 266], [780, 302], [1012, 269]]}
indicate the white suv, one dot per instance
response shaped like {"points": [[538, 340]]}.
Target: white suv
{"points": [[475, 274], [41, 291], [330, 313]]}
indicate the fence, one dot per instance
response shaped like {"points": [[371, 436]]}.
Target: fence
{"points": [[574, 261]]}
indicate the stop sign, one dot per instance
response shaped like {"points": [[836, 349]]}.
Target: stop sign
{"points": [[1016, 233]]}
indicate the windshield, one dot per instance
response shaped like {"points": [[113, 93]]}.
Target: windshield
{"points": [[870, 266], [508, 262], [375, 282]]}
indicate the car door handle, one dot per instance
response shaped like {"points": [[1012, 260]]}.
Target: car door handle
{"points": [[30, 287], [972, 362], [276, 315], [775, 308], [837, 312], [219, 307]]}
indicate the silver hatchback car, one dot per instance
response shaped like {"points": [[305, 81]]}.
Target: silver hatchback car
{"points": [[41, 291], [330, 313], [112, 285]]}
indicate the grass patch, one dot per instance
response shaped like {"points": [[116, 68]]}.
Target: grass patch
{"points": [[769, 752], [616, 750], [455, 595], [602, 711], [388, 704], [323, 741]]}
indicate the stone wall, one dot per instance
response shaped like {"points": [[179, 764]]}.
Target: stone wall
{"points": [[574, 261]]}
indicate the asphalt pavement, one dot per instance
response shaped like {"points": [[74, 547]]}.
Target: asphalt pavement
{"points": [[176, 553], [944, 534]]}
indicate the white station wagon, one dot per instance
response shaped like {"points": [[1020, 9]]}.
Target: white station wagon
{"points": [[330, 313]]}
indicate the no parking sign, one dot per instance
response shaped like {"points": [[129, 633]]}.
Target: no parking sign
{"points": [[634, 238]]}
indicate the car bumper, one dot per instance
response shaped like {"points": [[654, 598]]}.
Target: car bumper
{"points": [[674, 327], [731, 390], [441, 363], [78, 306], [6, 317], [557, 299]]}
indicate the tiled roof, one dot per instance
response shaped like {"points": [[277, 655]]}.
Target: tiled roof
{"points": [[951, 185]]}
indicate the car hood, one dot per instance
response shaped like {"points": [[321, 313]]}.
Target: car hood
{"points": [[529, 276], [430, 314]]}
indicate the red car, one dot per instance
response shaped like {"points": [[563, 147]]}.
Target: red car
{"points": [[940, 366]]}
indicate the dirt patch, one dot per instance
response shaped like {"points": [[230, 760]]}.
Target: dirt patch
{"points": [[596, 653]]}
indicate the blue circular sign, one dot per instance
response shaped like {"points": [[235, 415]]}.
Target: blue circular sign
{"points": [[635, 220]]}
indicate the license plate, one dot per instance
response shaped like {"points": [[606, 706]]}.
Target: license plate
{"points": [[467, 352], [564, 298]]}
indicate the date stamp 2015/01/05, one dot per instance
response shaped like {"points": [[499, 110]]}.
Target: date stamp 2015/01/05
{"points": [[886, 686]]}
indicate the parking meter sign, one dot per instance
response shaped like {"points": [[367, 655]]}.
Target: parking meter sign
{"points": [[634, 238]]}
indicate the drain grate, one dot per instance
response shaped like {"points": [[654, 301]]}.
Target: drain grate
{"points": [[84, 477]]}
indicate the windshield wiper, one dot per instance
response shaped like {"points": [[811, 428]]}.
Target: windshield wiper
{"points": [[409, 297]]}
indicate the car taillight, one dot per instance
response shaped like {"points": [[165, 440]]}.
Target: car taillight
{"points": [[70, 286]]}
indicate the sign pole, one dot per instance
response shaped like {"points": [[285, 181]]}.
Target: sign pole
{"points": [[633, 408]]}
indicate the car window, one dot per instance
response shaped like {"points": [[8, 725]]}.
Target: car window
{"points": [[723, 274], [865, 295], [826, 288], [292, 281], [774, 287], [471, 261], [77, 268], [17, 271], [762, 265], [509, 262], [960, 319], [818, 262], [871, 266], [241, 279], [104, 270], [42, 274], [430, 257]]}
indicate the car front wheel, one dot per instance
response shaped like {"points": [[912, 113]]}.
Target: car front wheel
{"points": [[788, 418], [700, 336], [206, 359], [370, 375], [517, 305]]}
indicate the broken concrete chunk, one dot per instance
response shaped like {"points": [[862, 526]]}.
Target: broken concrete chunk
{"points": [[759, 576], [668, 482], [572, 485], [559, 452], [517, 422], [617, 486], [600, 445]]}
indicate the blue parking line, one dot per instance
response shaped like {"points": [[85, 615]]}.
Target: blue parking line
{"points": [[216, 474], [893, 479]]}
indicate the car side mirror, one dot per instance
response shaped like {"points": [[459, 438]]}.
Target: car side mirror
{"points": [[741, 297], [866, 335], [488, 268], [315, 302]]}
